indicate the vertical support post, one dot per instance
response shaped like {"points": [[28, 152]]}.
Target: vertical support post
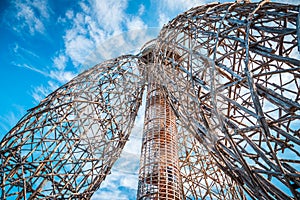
{"points": [[159, 175]]}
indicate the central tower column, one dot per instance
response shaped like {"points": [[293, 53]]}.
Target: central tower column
{"points": [[159, 175]]}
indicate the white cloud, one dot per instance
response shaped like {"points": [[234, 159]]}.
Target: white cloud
{"points": [[10, 119], [70, 14], [136, 23], [168, 9], [78, 48], [179, 5], [60, 61], [110, 14], [141, 9], [128, 42], [84, 7], [62, 76], [31, 68], [40, 92], [99, 21], [81, 39], [29, 16], [137, 34], [96, 33], [163, 19], [110, 195], [21, 52], [42, 7]]}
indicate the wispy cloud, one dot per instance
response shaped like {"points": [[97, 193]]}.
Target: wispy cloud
{"points": [[110, 14], [136, 23], [8, 120], [102, 28], [28, 16], [179, 5], [81, 39], [78, 48], [168, 9], [62, 76], [40, 92], [58, 75], [31, 68], [60, 61], [19, 50], [141, 9], [57, 78], [122, 183]]}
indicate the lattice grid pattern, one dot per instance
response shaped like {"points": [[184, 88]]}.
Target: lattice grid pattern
{"points": [[236, 87], [222, 116], [64, 147]]}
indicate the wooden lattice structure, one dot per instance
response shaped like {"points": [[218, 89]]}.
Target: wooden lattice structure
{"points": [[221, 122], [65, 147]]}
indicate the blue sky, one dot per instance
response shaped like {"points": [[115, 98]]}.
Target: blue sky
{"points": [[45, 43]]}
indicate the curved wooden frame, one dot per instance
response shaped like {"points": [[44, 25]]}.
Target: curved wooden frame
{"points": [[229, 73]]}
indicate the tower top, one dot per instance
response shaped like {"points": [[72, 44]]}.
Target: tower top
{"points": [[151, 50]]}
